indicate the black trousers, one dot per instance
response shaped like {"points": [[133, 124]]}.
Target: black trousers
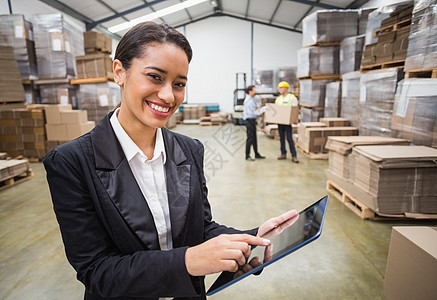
{"points": [[251, 136], [286, 131]]}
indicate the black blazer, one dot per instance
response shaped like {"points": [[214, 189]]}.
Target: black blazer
{"points": [[107, 228]]}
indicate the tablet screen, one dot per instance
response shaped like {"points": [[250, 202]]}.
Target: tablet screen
{"points": [[305, 230]]}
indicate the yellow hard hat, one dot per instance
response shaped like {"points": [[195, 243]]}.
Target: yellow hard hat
{"points": [[283, 84]]}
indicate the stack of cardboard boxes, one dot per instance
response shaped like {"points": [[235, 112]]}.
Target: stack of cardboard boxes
{"points": [[65, 124], [392, 38], [318, 61], [313, 135], [10, 80], [23, 132], [422, 52], [57, 42], [17, 32], [96, 62], [415, 111]]}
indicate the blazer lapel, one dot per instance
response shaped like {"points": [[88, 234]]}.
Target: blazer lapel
{"points": [[177, 181], [116, 176]]}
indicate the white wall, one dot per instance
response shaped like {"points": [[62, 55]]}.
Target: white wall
{"points": [[221, 46]]}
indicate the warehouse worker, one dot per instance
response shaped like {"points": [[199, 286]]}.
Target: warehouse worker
{"points": [[250, 113], [130, 196], [286, 98]]}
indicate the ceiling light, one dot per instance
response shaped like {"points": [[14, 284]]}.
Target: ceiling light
{"points": [[155, 15]]}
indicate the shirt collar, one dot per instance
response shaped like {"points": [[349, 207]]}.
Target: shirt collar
{"points": [[131, 149]]}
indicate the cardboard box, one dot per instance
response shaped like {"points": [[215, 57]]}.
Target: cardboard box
{"points": [[335, 122], [94, 65], [53, 115], [412, 264], [56, 132], [76, 130], [73, 116], [281, 114]]}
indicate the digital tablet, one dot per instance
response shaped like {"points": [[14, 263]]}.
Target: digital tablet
{"points": [[306, 229]]}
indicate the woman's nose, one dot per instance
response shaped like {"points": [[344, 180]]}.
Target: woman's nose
{"points": [[165, 93]]}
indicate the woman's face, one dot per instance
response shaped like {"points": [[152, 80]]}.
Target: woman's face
{"points": [[153, 87]]}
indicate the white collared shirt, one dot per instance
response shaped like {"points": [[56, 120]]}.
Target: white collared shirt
{"points": [[150, 176]]}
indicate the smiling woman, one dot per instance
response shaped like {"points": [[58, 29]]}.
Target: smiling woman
{"points": [[130, 196]]}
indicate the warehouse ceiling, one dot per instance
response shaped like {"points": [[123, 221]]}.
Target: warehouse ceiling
{"points": [[285, 14]]}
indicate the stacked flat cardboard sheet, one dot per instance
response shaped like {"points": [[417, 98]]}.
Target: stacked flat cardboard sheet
{"points": [[401, 178], [10, 79], [12, 168], [341, 146]]}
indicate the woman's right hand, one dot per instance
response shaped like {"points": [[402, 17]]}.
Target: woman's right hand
{"points": [[225, 252]]}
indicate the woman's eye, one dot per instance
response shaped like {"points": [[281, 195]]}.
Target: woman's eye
{"points": [[180, 84], [155, 77]]}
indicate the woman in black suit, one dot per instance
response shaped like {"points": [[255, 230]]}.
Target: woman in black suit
{"points": [[130, 196]]}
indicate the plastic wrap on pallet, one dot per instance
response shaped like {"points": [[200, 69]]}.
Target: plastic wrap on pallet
{"points": [[265, 81], [309, 114], [363, 17], [312, 92], [288, 74], [415, 111], [329, 26], [375, 18], [98, 99], [351, 52], [377, 94], [333, 99], [318, 61], [15, 31], [422, 47], [350, 97], [57, 42], [58, 94]]}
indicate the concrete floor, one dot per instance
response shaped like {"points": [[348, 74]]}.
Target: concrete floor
{"points": [[347, 262]]}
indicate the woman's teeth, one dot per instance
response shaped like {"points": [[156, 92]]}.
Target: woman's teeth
{"points": [[159, 108]]}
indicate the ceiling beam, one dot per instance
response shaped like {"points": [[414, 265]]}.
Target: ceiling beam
{"points": [[120, 14], [221, 14], [110, 8], [247, 8], [304, 15], [316, 4], [188, 13], [77, 15], [357, 4], [154, 10], [276, 10]]}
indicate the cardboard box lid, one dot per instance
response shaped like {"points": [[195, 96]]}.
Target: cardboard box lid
{"points": [[397, 152], [397, 156], [424, 237], [344, 144]]}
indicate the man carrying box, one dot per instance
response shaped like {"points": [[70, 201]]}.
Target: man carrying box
{"points": [[287, 99]]}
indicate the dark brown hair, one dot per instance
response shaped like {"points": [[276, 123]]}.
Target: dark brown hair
{"points": [[138, 37], [249, 88]]}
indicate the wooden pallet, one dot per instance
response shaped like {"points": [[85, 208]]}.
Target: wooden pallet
{"points": [[350, 202], [313, 155], [364, 212], [384, 65], [92, 80], [393, 27], [422, 73], [322, 77], [9, 182]]}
